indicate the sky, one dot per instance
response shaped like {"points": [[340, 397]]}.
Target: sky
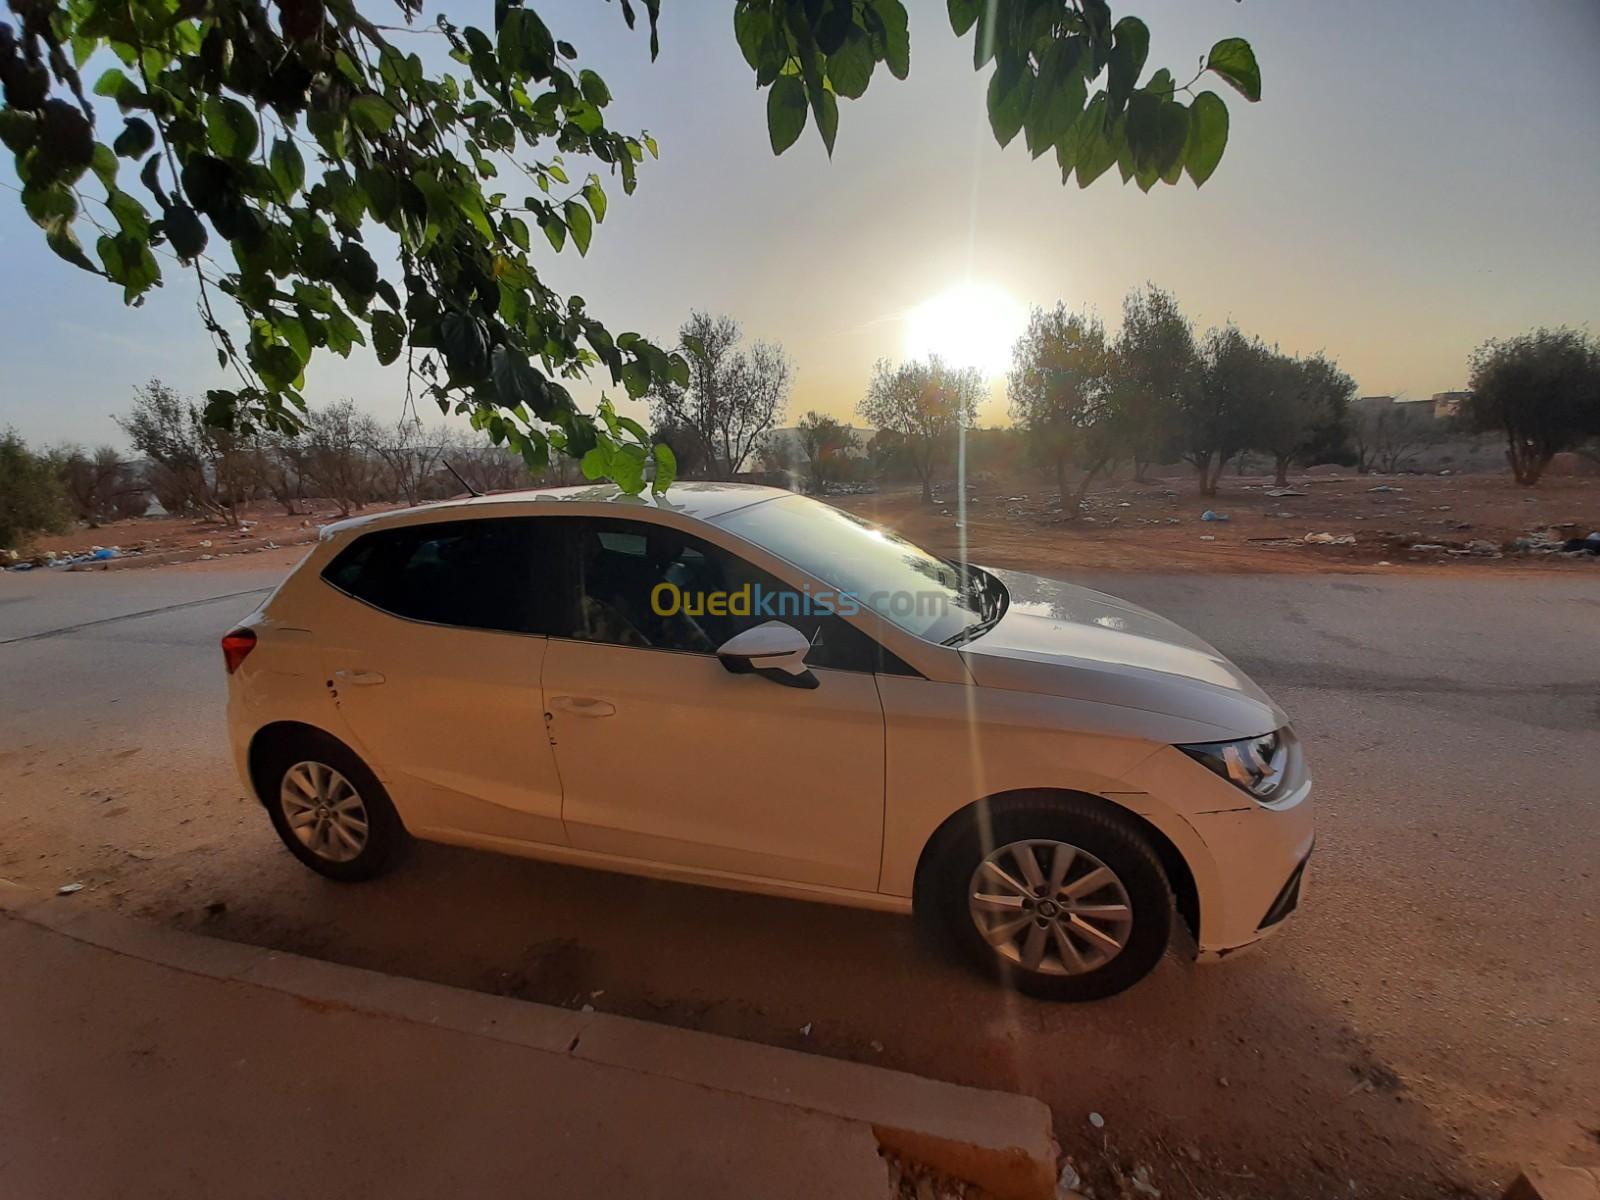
{"points": [[1417, 178]]}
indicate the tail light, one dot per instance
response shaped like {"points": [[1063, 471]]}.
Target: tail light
{"points": [[235, 646]]}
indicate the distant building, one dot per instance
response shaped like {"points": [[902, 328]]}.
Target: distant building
{"points": [[1448, 404], [1373, 404]]}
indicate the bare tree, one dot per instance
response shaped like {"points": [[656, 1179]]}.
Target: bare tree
{"points": [[928, 403], [734, 397], [1542, 390], [100, 486], [338, 461], [165, 429], [198, 468], [283, 468], [1395, 432], [411, 454], [486, 468], [825, 442], [1062, 394]]}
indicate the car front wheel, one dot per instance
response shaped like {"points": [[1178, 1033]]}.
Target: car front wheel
{"points": [[1054, 895]]}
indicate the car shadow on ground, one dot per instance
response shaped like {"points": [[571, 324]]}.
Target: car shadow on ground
{"points": [[1234, 1080]]}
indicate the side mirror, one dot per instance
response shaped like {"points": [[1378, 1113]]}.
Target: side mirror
{"points": [[774, 650]]}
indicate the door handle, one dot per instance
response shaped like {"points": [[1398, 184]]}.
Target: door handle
{"points": [[583, 706], [359, 678]]}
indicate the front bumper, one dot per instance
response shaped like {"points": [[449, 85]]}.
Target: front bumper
{"points": [[1248, 860]]}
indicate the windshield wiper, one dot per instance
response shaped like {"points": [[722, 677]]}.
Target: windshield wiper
{"points": [[995, 601], [977, 629]]}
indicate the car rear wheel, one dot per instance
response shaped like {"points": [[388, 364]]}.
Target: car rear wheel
{"points": [[330, 810], [1054, 895]]}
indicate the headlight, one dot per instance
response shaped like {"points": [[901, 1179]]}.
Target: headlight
{"points": [[1255, 764]]}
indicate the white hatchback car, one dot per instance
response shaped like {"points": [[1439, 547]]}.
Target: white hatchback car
{"points": [[1045, 774]]}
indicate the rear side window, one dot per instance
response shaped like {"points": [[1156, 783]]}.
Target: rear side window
{"points": [[484, 574]]}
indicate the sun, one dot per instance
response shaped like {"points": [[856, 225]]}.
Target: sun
{"points": [[972, 324]]}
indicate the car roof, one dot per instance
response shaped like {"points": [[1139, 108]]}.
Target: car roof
{"points": [[701, 500]]}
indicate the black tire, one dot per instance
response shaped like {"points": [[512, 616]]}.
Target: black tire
{"points": [[385, 837], [943, 889]]}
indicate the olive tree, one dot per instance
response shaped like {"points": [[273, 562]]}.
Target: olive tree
{"points": [[1063, 395], [826, 441], [1542, 391], [1220, 418], [1157, 358], [262, 143], [1303, 406], [928, 404]]}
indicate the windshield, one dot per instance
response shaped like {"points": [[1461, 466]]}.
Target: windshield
{"points": [[871, 568]]}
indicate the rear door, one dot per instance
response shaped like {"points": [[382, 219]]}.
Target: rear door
{"points": [[433, 656]]}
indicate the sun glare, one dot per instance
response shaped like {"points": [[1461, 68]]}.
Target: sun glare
{"points": [[969, 325]]}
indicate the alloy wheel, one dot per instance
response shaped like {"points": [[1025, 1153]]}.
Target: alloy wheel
{"points": [[324, 811], [1050, 907]]}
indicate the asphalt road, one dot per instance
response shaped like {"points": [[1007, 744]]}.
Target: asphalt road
{"points": [[1428, 1020]]}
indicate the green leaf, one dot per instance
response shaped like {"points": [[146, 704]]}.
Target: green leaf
{"points": [[593, 88], [596, 197], [18, 129], [826, 109], [136, 138], [896, 36], [372, 113], [1172, 136], [578, 222], [117, 86], [963, 13], [104, 165], [64, 242], [1010, 91], [1208, 136], [388, 336], [516, 382], [231, 128], [666, 469], [184, 231], [517, 230], [596, 464], [850, 67], [288, 168], [627, 468], [1057, 102], [1096, 151], [1130, 48], [636, 378], [786, 112], [751, 27], [554, 231], [1235, 61]]}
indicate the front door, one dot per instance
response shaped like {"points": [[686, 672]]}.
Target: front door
{"points": [[431, 661], [667, 757]]}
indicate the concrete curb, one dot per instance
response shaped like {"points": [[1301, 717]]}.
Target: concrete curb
{"points": [[1555, 1183], [1001, 1142]]}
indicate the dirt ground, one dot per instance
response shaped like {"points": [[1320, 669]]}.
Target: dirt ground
{"points": [[1126, 525], [156, 541], [1335, 1064], [1157, 525]]}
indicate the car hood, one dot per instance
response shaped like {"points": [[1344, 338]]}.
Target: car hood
{"points": [[1058, 639]]}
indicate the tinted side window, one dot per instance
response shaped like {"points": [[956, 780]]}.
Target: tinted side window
{"points": [[483, 574], [713, 595]]}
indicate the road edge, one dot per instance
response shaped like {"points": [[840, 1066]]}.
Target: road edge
{"points": [[1000, 1141]]}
